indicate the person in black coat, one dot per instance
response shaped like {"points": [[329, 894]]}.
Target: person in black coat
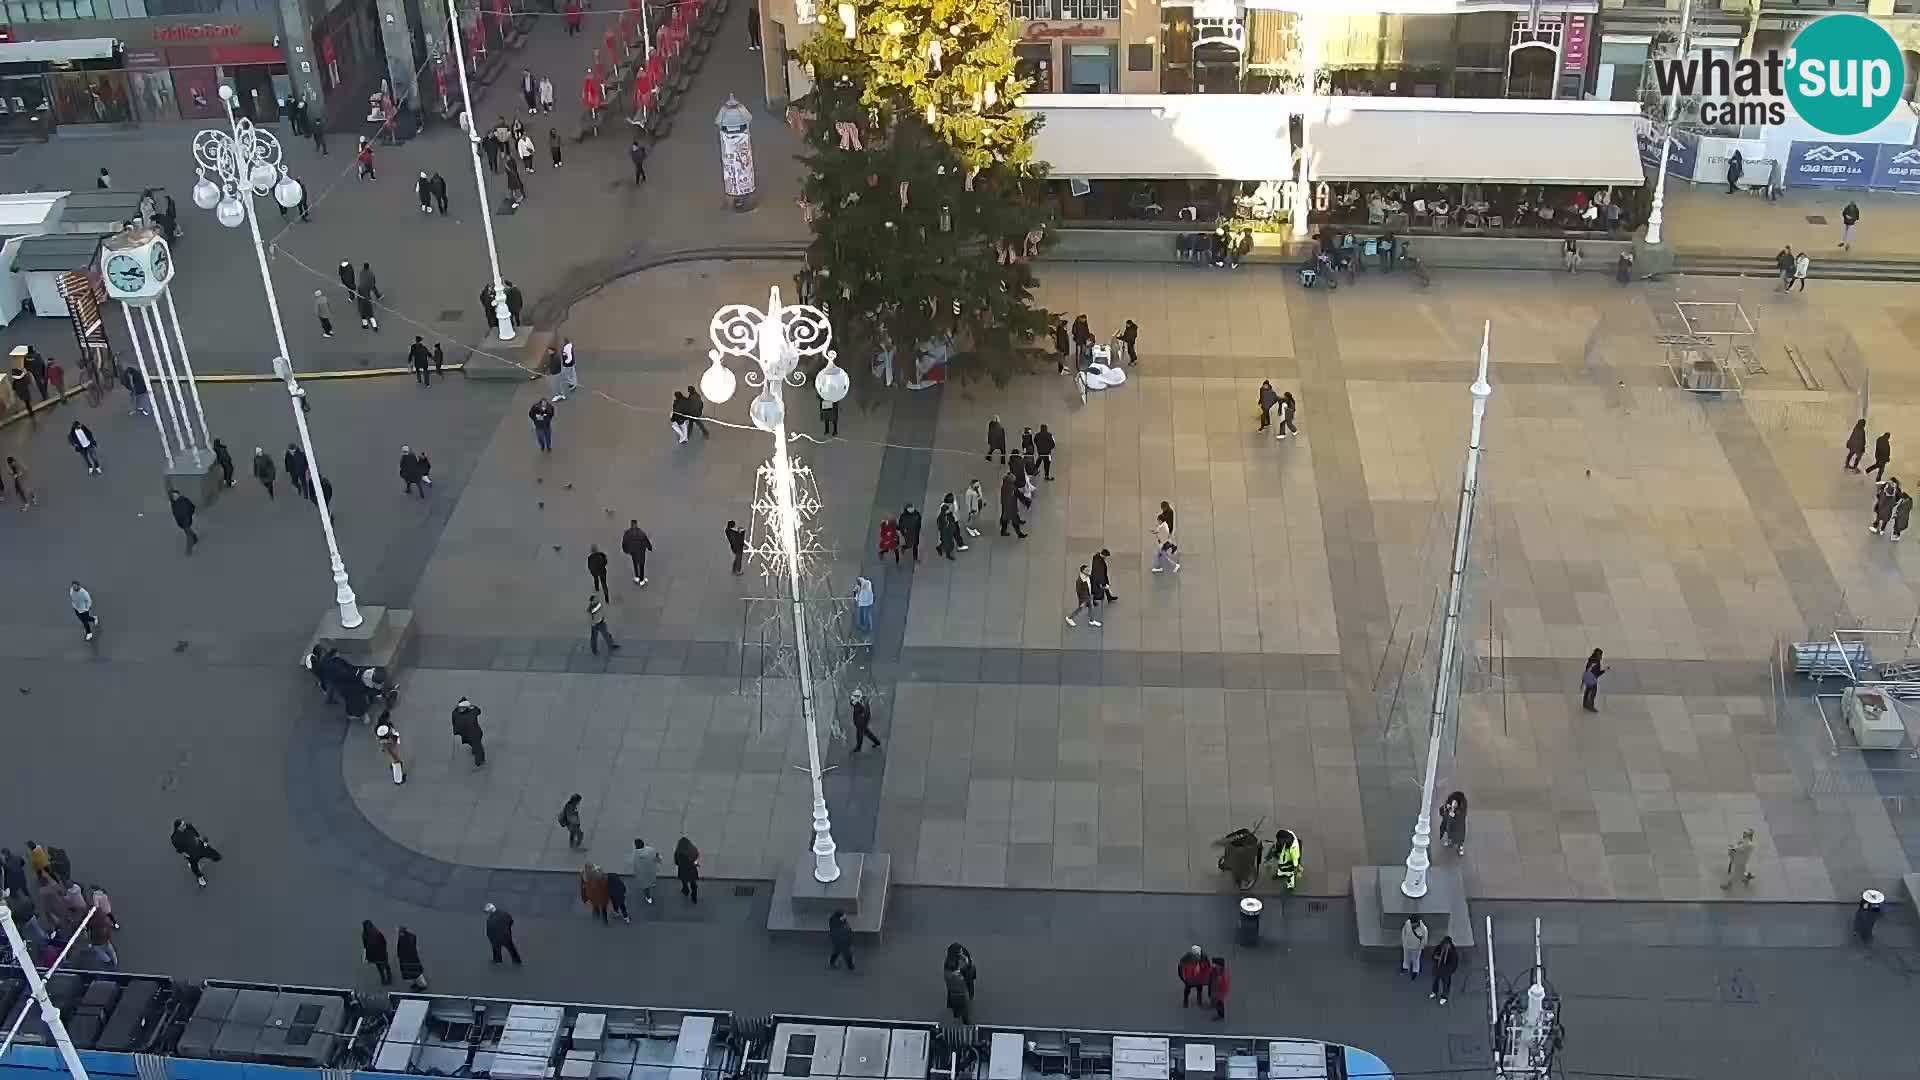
{"points": [[1102, 594], [1010, 507], [419, 357], [347, 278], [1130, 336], [1268, 399], [1882, 453], [1082, 340], [909, 522], [1856, 445], [437, 185], [410, 473], [423, 188], [1043, 446], [374, 944], [223, 458], [406, 949], [996, 440], [296, 462], [597, 570], [1061, 347], [686, 866], [183, 510], [500, 934], [635, 543], [1017, 469], [840, 939]]}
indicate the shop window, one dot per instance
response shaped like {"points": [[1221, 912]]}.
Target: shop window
{"points": [[1032, 9], [1033, 62], [1089, 10], [1139, 58], [1483, 38], [1090, 69]]}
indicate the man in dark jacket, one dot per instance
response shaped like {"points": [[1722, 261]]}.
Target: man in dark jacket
{"points": [[410, 471], [1882, 453], [636, 545], [909, 523], [296, 463], [695, 407], [438, 185], [183, 509], [500, 934], [737, 543], [840, 938], [420, 357], [1098, 575], [996, 440], [1010, 507], [1043, 446], [541, 413], [466, 728], [862, 722], [597, 569], [347, 280]]}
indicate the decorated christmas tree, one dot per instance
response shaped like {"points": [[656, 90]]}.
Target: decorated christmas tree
{"points": [[922, 193]]}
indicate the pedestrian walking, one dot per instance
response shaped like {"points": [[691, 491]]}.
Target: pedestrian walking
{"points": [[466, 728], [1099, 577], [194, 848], [1082, 335], [839, 940], [374, 944], [1872, 903], [1413, 942], [406, 949], [500, 934], [263, 470], [295, 460], [1849, 220], [645, 863], [1268, 399], [1083, 598], [1885, 494], [1453, 822], [570, 821], [223, 458], [363, 158], [1129, 336], [546, 105], [423, 188], [437, 186], [1195, 972], [1856, 445], [1801, 263], [419, 357], [862, 721], [1590, 681], [889, 540], [597, 570], [410, 475], [1902, 514], [1010, 508], [1022, 479], [20, 381], [1163, 536], [976, 501], [957, 973], [617, 895], [541, 413], [996, 440], [573, 20], [136, 383], [1219, 987], [635, 544], [57, 378], [1882, 454], [638, 155], [1043, 446], [909, 523], [183, 510], [1446, 961], [946, 529], [554, 142], [1735, 166], [323, 310], [1783, 266], [753, 27], [525, 148], [1062, 348], [686, 866], [81, 601], [593, 891], [1738, 854], [1287, 411], [516, 188], [569, 371], [696, 407], [17, 473], [1570, 255], [318, 129], [104, 180], [863, 604], [597, 626], [550, 363], [829, 418], [737, 543]]}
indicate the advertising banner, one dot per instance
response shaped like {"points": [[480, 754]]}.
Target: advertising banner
{"points": [[1831, 164], [1898, 169], [1680, 161]]}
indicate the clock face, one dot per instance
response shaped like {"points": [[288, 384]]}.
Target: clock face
{"points": [[125, 274], [162, 262]]}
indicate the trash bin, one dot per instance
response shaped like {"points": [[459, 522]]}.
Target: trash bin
{"points": [[1250, 909]]}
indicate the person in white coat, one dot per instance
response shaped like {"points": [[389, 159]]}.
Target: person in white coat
{"points": [[1413, 941]]}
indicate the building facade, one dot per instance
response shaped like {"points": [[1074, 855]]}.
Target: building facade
{"points": [[93, 62]]}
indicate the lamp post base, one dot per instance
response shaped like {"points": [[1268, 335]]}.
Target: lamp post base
{"points": [[194, 475], [802, 904], [379, 641], [514, 360], [1380, 908]]}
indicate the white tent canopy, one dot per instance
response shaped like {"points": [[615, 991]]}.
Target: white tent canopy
{"points": [[1429, 140]]}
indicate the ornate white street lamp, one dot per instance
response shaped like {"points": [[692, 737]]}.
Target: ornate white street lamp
{"points": [[502, 315], [1657, 216], [247, 162], [775, 340]]}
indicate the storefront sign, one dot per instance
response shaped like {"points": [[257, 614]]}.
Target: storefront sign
{"points": [[1897, 169], [1831, 164], [1046, 31], [199, 32], [1573, 46]]}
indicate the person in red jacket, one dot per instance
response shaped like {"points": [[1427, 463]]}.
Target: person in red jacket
{"points": [[573, 17], [1219, 986], [889, 539], [1195, 973]]}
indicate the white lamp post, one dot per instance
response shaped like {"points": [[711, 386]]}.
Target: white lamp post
{"points": [[775, 340], [247, 161], [502, 315], [1415, 883], [1656, 217]]}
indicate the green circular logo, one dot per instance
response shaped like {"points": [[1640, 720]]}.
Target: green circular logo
{"points": [[1844, 74]]}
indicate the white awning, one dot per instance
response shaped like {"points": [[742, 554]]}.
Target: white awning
{"points": [[57, 52], [1491, 141], [1244, 137]]}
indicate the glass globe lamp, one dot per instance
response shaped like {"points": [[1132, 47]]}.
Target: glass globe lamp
{"points": [[832, 383], [231, 213], [718, 384], [766, 412], [288, 192], [262, 177], [206, 193]]}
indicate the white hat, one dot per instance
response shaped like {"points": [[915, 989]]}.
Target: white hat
{"points": [[489, 909], [1874, 896]]}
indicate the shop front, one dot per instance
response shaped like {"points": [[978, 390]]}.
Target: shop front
{"points": [[132, 71], [1078, 57]]}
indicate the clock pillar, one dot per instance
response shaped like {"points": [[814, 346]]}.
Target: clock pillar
{"points": [[137, 267]]}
